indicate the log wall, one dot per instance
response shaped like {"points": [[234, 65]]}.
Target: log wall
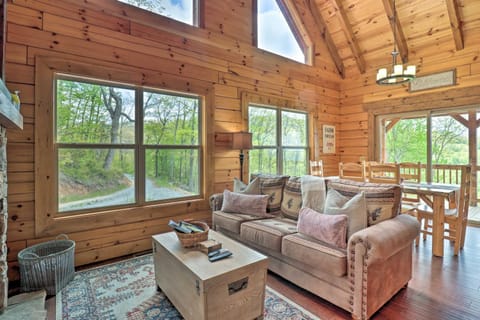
{"points": [[220, 55], [362, 90]]}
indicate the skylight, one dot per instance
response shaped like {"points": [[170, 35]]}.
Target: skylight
{"points": [[180, 10], [274, 34]]}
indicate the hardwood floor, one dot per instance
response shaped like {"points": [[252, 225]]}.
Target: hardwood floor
{"points": [[445, 288]]}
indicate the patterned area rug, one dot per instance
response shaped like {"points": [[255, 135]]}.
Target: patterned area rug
{"points": [[127, 290]]}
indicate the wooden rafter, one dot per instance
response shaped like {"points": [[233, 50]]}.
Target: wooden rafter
{"points": [[327, 38], [392, 124], [455, 23], [460, 119], [347, 29], [397, 29]]}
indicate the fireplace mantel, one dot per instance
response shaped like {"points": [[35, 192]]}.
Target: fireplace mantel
{"points": [[10, 116]]}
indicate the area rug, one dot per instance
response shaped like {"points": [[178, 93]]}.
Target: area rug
{"points": [[127, 290]]}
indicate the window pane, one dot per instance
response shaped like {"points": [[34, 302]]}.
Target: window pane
{"points": [[93, 113], [262, 123], [180, 10], [263, 161], [294, 129], [274, 34], [170, 120], [92, 178], [294, 162], [171, 173], [449, 140], [406, 141]]}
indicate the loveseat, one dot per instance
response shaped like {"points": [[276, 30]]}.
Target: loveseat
{"points": [[360, 276]]}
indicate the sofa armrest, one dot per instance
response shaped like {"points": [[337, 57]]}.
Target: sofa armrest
{"points": [[380, 263], [216, 201], [386, 238]]}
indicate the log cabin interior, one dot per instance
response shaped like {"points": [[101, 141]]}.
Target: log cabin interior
{"points": [[216, 60]]}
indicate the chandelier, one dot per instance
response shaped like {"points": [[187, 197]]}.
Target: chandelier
{"points": [[398, 74]]}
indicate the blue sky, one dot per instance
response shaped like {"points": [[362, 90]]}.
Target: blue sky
{"points": [[274, 33]]}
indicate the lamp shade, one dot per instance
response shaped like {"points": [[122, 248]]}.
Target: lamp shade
{"points": [[241, 140]]}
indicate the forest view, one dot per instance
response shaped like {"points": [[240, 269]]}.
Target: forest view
{"points": [[407, 141], [99, 145], [292, 144]]}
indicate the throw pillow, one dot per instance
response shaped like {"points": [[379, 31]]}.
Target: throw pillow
{"points": [[272, 185], [252, 188], [292, 198], [331, 229], [383, 200], [355, 208], [244, 203]]}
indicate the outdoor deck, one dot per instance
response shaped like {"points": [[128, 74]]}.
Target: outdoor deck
{"points": [[474, 216]]}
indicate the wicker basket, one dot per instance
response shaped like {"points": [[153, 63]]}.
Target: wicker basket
{"points": [[48, 265], [189, 240]]}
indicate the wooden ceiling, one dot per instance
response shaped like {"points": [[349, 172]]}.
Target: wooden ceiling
{"points": [[359, 33]]}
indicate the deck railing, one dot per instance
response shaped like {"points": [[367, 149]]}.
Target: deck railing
{"points": [[451, 174]]}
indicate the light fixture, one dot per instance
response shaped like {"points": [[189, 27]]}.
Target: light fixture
{"points": [[398, 74], [242, 141]]}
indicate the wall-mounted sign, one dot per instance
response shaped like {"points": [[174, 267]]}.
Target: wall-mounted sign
{"points": [[328, 139], [431, 81]]}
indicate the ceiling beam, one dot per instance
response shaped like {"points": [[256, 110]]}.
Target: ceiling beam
{"points": [[397, 30], [332, 49], [455, 23], [347, 29]]}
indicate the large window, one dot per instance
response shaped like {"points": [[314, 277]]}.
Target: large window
{"points": [[122, 145], [280, 143], [181, 10], [277, 31]]}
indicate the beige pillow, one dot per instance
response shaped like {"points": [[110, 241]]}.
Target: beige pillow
{"points": [[244, 203], [355, 209], [252, 188], [331, 229]]}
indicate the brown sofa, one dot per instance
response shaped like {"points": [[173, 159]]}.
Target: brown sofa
{"points": [[376, 264]]}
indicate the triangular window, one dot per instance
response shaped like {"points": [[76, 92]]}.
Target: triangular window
{"points": [[181, 10], [276, 32]]}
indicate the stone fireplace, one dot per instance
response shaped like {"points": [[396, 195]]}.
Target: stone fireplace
{"points": [[3, 219]]}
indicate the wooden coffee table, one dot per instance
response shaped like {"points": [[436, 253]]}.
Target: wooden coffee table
{"points": [[231, 288]]}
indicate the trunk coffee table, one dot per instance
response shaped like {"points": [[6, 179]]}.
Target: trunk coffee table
{"points": [[231, 288]]}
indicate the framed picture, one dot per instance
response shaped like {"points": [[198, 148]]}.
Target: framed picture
{"points": [[431, 81], [328, 139]]}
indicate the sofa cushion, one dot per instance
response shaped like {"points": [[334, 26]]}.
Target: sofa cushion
{"points": [[354, 208], [245, 203], [331, 229], [268, 233], [272, 185], [315, 253], [231, 221], [383, 200], [252, 188], [292, 198]]}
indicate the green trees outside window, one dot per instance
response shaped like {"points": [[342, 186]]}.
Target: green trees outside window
{"points": [[280, 144], [120, 145]]}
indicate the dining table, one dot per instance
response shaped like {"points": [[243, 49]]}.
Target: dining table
{"points": [[435, 195]]}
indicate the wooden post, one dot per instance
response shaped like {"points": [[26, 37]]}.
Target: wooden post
{"points": [[472, 146]]}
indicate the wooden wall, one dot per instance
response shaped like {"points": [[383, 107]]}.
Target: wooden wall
{"points": [[104, 32], [356, 92]]}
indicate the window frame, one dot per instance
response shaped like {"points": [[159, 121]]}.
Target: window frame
{"points": [[294, 21], [278, 105], [139, 147], [48, 221]]}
